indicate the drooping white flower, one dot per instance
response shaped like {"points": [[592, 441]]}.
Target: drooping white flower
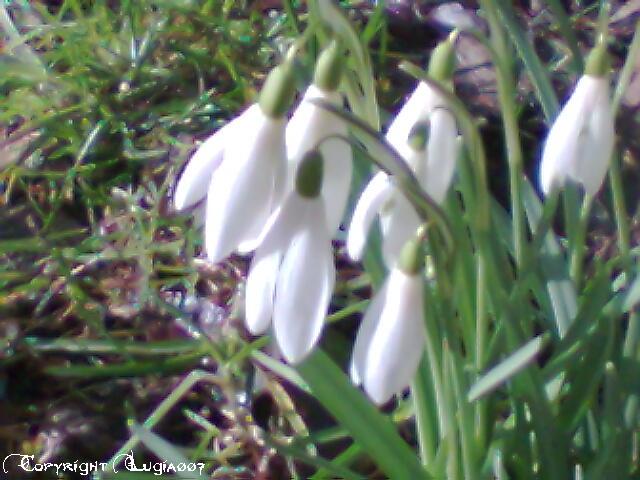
{"points": [[433, 165], [312, 126], [241, 170], [432, 159], [391, 338], [580, 142], [247, 187], [292, 274]]}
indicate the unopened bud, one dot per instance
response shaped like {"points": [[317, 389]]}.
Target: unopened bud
{"points": [[329, 68], [278, 91]]}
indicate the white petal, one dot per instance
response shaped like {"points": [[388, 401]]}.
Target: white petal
{"points": [[307, 127], [441, 155], [194, 181], [415, 109], [561, 148], [244, 191], [373, 197], [261, 280], [397, 344], [367, 328], [302, 129], [597, 142], [337, 180], [304, 287], [400, 226], [260, 289]]}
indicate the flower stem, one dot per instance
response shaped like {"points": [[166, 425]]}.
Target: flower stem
{"points": [[579, 243], [425, 425], [506, 96], [632, 335], [481, 342]]}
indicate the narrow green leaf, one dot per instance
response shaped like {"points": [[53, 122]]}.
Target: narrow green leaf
{"points": [[564, 25], [372, 430], [585, 377], [166, 452], [280, 369], [507, 368], [128, 369], [345, 458], [537, 71], [554, 266]]}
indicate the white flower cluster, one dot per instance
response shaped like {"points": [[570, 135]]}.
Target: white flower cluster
{"points": [[279, 187]]}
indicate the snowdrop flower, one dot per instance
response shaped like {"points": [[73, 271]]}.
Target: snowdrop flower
{"points": [[311, 124], [391, 339], [292, 274], [426, 105], [425, 134], [241, 170], [580, 142]]}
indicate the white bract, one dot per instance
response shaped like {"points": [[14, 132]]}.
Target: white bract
{"points": [[309, 125], [433, 166], [391, 339], [580, 141], [292, 275]]}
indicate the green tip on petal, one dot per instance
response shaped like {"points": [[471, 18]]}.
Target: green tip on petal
{"points": [[309, 174], [419, 136], [442, 63], [329, 68], [411, 259], [598, 61], [277, 93]]}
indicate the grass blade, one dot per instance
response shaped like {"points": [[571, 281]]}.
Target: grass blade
{"points": [[372, 430], [506, 369]]}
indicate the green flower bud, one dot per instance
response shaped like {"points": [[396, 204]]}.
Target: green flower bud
{"points": [[598, 61], [419, 136], [329, 68], [309, 174], [277, 93], [411, 258], [442, 63]]}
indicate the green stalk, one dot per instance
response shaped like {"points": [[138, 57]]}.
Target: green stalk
{"points": [[506, 95], [564, 25], [481, 342], [453, 461], [632, 336], [570, 202], [425, 426], [627, 70], [579, 243], [465, 422], [537, 71], [433, 363]]}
